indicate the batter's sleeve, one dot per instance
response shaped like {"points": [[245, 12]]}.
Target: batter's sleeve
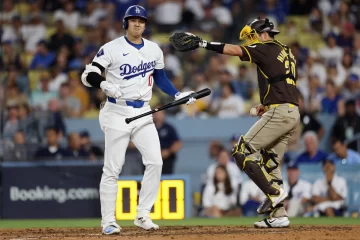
{"points": [[103, 57], [255, 53]]}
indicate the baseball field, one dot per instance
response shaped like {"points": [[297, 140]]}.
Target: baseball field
{"points": [[194, 228]]}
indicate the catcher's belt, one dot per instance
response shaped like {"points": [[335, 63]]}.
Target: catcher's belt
{"points": [[267, 107]]}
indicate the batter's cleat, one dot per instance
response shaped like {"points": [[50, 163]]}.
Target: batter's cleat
{"points": [[280, 222], [265, 207], [278, 199], [145, 223], [111, 229]]}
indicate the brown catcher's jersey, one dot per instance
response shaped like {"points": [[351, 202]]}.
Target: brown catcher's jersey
{"points": [[276, 68]]}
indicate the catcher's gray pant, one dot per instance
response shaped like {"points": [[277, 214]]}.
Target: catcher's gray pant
{"points": [[272, 133], [143, 134]]}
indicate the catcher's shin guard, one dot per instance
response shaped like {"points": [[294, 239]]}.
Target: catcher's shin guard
{"points": [[255, 172]]}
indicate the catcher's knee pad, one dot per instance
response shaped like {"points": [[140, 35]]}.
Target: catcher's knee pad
{"points": [[239, 152], [268, 160]]}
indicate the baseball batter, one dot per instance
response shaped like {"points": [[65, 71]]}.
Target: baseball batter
{"points": [[131, 65], [276, 67]]}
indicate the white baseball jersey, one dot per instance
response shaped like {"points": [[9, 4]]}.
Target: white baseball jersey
{"points": [[130, 68], [320, 187], [302, 189]]}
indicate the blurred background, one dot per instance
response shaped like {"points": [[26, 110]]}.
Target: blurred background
{"points": [[51, 145]]}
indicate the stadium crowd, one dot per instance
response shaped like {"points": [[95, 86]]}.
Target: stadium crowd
{"points": [[46, 44]]}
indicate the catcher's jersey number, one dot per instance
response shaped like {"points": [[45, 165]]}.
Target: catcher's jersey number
{"points": [[169, 203]]}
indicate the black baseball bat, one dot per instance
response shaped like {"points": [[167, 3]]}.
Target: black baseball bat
{"points": [[200, 94]]}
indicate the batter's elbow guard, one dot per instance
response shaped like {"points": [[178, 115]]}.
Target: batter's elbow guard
{"points": [[83, 79]]}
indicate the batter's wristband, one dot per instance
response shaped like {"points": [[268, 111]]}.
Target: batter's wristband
{"points": [[216, 47]]}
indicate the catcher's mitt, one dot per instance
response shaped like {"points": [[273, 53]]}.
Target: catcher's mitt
{"points": [[184, 41]]}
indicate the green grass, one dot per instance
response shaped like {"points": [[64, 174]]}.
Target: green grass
{"points": [[187, 222]]}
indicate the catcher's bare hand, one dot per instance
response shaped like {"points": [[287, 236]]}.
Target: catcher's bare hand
{"points": [[185, 41], [260, 109]]}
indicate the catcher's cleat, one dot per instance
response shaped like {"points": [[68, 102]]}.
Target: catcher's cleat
{"points": [[111, 229], [281, 222], [145, 223]]}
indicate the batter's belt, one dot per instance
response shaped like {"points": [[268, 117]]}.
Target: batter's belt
{"points": [[267, 107], [130, 103]]}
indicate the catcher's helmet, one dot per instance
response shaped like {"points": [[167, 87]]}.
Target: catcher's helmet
{"points": [[134, 11], [248, 33], [263, 25]]}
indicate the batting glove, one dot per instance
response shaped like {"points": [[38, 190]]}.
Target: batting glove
{"points": [[110, 89], [180, 95]]}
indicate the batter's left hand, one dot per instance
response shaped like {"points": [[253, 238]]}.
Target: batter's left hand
{"points": [[180, 95]]}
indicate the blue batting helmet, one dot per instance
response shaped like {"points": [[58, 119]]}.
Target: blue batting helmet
{"points": [[134, 11]]}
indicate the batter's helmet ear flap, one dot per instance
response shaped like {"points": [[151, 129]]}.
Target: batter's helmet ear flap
{"points": [[125, 24]]}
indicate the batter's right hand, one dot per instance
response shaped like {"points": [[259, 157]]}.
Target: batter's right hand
{"points": [[111, 89]]}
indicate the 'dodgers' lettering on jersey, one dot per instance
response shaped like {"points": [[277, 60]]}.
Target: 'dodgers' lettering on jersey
{"points": [[132, 71]]}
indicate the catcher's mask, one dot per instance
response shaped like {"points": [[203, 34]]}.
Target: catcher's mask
{"points": [[250, 31]]}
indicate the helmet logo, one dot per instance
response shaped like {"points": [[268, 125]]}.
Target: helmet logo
{"points": [[137, 10]]}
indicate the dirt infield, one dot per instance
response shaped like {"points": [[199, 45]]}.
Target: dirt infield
{"points": [[297, 232]]}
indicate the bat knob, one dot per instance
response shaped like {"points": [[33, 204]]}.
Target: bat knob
{"points": [[127, 120]]}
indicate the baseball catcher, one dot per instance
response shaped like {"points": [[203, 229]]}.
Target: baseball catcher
{"points": [[276, 67]]}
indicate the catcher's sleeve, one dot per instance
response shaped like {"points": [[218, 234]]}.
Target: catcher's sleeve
{"points": [[255, 53]]}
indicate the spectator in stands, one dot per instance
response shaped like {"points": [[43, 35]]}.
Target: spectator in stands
{"points": [[18, 151], [168, 15], [170, 142], [331, 53], [329, 193], [215, 147], [332, 103], [347, 126], [74, 149], [224, 159], [356, 50], [52, 151], [69, 105], [10, 57], [68, 15], [13, 94], [32, 33], [8, 12], [41, 97], [12, 32], [78, 90], [29, 124], [352, 87], [312, 153], [219, 196], [250, 198], [57, 78], [229, 105], [342, 154], [43, 58], [92, 14], [53, 117], [336, 73], [275, 9], [246, 86], [96, 153], [60, 37], [12, 122], [308, 121], [298, 201]]}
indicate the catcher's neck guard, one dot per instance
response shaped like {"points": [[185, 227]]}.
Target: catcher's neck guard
{"points": [[248, 35]]}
